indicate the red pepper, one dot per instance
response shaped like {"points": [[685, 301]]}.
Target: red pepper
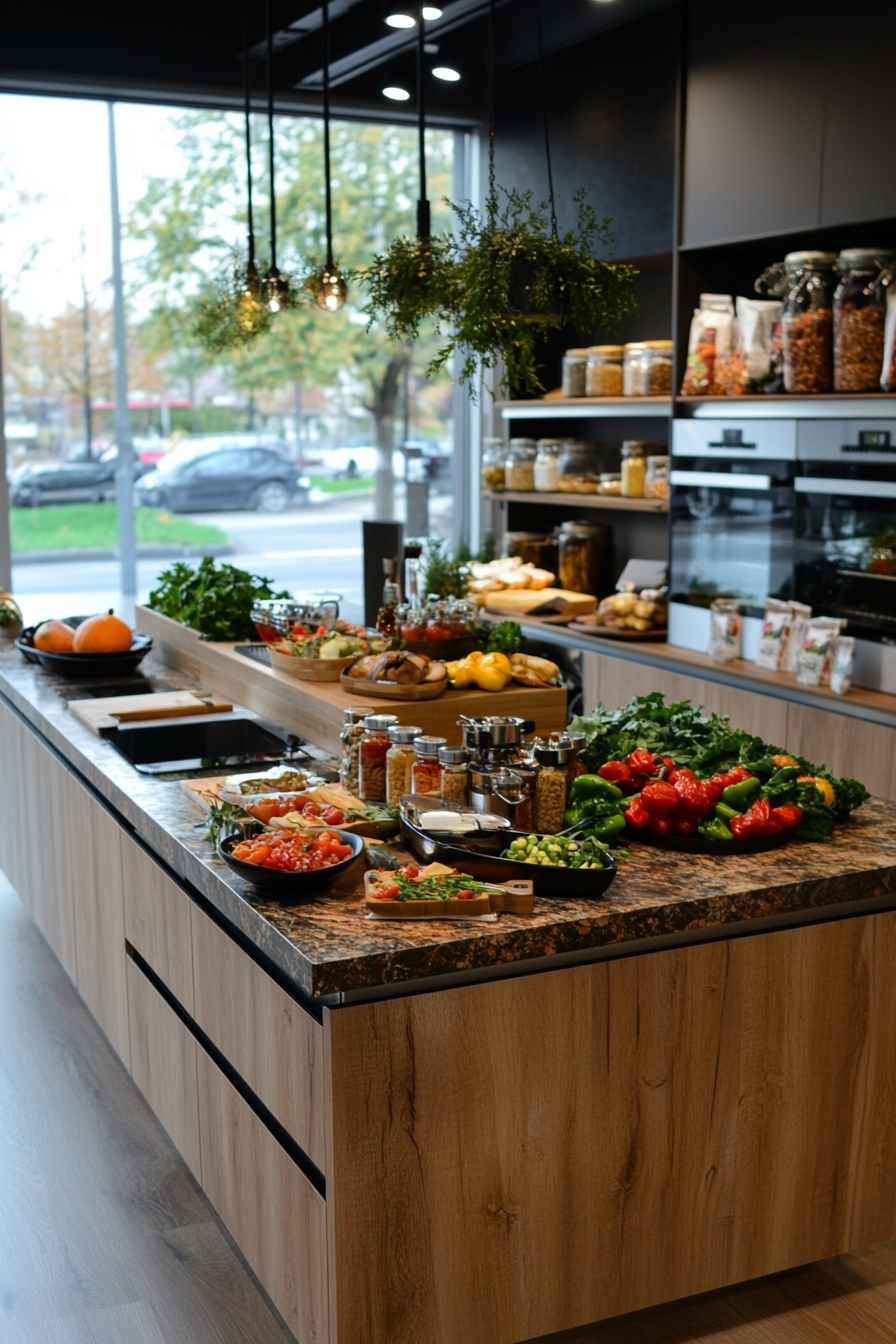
{"points": [[757, 823], [636, 814], [732, 777], [695, 798], [674, 775], [616, 772], [667, 761], [641, 762], [684, 826], [659, 826], [659, 798], [787, 816], [713, 791]]}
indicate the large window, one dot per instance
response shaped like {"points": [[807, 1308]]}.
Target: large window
{"points": [[267, 454]]}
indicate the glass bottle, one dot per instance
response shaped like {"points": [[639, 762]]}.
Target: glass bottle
{"points": [[494, 453], [860, 308], [374, 745], [519, 466], [575, 363], [385, 621], [550, 788], [352, 732], [603, 376], [400, 762], [546, 468], [454, 773], [427, 772], [634, 468]]}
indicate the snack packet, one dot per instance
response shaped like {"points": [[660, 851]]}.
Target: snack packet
{"points": [[814, 668], [800, 615], [841, 664], [888, 372], [710, 337], [775, 635], [749, 365], [726, 629]]}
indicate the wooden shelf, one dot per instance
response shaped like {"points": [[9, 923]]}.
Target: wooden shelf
{"points": [[611, 502], [834, 406], [586, 408]]}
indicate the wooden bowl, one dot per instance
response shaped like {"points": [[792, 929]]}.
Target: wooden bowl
{"points": [[310, 669], [393, 690]]}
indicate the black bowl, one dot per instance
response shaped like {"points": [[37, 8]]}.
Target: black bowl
{"points": [[469, 857], [291, 887], [695, 844], [84, 666]]}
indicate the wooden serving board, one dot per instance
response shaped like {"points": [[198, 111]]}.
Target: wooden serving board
{"points": [[517, 898], [393, 690], [115, 709], [534, 601]]}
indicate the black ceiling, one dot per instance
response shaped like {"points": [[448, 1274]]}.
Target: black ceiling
{"points": [[189, 51]]}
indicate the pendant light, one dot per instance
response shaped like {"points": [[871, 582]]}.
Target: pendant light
{"points": [[423, 211], [544, 120], [249, 311], [276, 286], [330, 289]]}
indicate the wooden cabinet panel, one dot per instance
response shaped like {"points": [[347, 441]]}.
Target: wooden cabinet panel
{"points": [[865, 751], [13, 813], [163, 1065], [561, 1148], [157, 920], [275, 1216], [268, 1038]]}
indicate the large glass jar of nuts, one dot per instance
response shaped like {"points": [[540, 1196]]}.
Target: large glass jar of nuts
{"points": [[494, 452], [400, 762], [550, 788], [586, 557], [656, 368], [807, 330], [352, 732], [519, 466], [374, 745], [860, 308]]}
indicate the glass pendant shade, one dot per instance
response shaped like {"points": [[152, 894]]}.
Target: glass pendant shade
{"points": [[276, 290], [331, 290]]}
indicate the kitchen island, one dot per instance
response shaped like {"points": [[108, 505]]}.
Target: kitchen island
{"points": [[478, 1133]]}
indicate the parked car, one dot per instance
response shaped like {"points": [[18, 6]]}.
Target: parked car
{"points": [[75, 481], [206, 475]]}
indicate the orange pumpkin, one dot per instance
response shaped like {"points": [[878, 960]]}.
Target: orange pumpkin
{"points": [[102, 634], [54, 637]]}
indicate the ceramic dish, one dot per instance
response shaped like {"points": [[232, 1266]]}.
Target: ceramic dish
{"points": [[687, 844], [290, 887], [84, 666]]}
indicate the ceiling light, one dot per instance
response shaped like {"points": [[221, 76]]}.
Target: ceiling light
{"points": [[397, 95], [400, 21], [445, 72], [430, 12]]}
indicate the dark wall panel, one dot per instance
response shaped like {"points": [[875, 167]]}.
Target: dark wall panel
{"points": [[611, 109]]}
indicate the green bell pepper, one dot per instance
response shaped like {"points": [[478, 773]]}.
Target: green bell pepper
{"points": [[592, 786], [607, 829], [764, 767], [582, 808], [714, 830], [724, 813], [740, 796]]}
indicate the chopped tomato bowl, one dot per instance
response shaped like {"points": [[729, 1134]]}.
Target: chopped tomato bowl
{"points": [[281, 805], [291, 852]]}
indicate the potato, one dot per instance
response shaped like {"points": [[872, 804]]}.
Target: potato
{"points": [[645, 609], [624, 603]]}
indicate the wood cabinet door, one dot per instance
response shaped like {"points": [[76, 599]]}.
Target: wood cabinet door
{"points": [[157, 920], [163, 1065]]}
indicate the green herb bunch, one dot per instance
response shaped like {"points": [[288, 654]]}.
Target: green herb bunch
{"points": [[513, 281], [443, 574], [408, 282], [215, 601]]}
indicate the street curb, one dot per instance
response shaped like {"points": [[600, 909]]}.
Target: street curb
{"points": [[112, 553]]}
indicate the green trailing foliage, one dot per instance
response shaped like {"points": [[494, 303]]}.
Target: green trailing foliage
{"points": [[407, 283]]}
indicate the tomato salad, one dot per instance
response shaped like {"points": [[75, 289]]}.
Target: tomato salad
{"points": [[292, 852], [406, 884], [282, 804]]}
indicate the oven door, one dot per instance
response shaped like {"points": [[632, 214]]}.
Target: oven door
{"points": [[845, 550], [731, 534]]}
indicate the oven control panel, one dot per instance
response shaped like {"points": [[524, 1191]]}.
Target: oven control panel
{"points": [[735, 440], [853, 442]]}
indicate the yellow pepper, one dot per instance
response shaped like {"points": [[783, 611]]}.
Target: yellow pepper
{"points": [[499, 660], [490, 672], [460, 674]]}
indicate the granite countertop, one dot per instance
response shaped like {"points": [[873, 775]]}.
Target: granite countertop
{"points": [[328, 946]]}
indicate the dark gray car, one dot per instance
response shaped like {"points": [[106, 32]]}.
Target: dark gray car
{"points": [[205, 477], [78, 481]]}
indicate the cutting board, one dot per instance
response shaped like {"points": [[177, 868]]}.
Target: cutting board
{"points": [[98, 715], [540, 601]]}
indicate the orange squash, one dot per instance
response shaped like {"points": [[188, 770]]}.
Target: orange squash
{"points": [[102, 634], [54, 637]]}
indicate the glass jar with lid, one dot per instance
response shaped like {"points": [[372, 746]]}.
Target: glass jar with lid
{"points": [[519, 465], [805, 281], [533, 548], [860, 307], [494, 454], [610, 483], [551, 787], [632, 369], [586, 557], [400, 762], [579, 468], [656, 480], [546, 469], [656, 369], [634, 468], [374, 745], [454, 773], [426, 773], [575, 363], [603, 375], [352, 732]]}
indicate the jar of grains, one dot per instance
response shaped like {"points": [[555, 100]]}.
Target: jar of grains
{"points": [[374, 746], [860, 307], [546, 470], [656, 481], [656, 368], [400, 762], [519, 465], [586, 557], [610, 483], [454, 776], [579, 468], [494, 452], [634, 468], [575, 364], [352, 732], [574, 743], [603, 376], [805, 281], [550, 788], [427, 772], [632, 369]]}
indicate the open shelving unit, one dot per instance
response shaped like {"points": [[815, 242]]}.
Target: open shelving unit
{"points": [[586, 408], [579, 501]]}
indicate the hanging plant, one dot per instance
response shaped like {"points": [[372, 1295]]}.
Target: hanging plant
{"points": [[237, 313], [514, 280]]}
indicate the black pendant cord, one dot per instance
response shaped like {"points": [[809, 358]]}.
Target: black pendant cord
{"points": [[492, 203], [325, 35], [267, 14], [544, 118], [247, 112], [424, 223]]}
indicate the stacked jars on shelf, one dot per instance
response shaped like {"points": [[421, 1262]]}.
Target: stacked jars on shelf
{"points": [[574, 467]]}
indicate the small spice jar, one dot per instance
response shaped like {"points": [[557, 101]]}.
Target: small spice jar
{"points": [[632, 369], [374, 745], [454, 773], [634, 468], [400, 762], [550, 788], [546, 468], [519, 466], [494, 453], [860, 308], [656, 479], [426, 775], [575, 364], [352, 732], [603, 375]]}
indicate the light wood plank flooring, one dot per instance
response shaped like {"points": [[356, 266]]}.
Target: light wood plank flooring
{"points": [[105, 1238]]}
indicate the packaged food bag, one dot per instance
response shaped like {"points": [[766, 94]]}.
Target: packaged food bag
{"points": [[888, 372], [711, 332], [816, 655], [726, 630], [775, 635], [841, 664], [749, 366], [800, 616]]}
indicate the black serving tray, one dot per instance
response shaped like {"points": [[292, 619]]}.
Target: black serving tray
{"points": [[84, 666], [695, 844], [290, 887]]}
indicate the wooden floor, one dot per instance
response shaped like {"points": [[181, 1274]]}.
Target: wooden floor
{"points": [[105, 1238]]}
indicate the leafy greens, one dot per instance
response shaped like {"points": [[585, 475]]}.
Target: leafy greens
{"points": [[215, 601]]}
